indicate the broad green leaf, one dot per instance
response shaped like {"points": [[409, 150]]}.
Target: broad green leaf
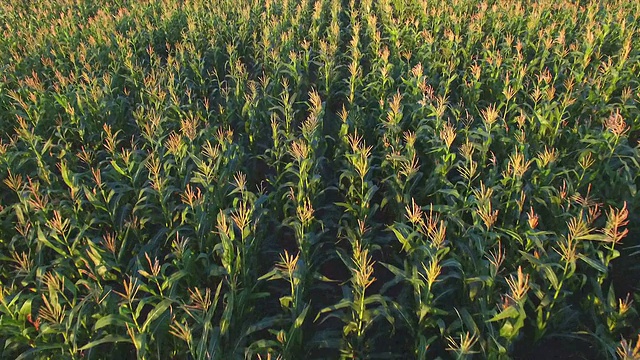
{"points": [[156, 312], [110, 338], [301, 317], [111, 320], [510, 312], [593, 263]]}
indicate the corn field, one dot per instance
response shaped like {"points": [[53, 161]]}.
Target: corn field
{"points": [[319, 179]]}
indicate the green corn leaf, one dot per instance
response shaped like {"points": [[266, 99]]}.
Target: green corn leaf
{"points": [[30, 354], [510, 312], [300, 319], [45, 241], [110, 338], [111, 320], [344, 303], [156, 313], [593, 263]]}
